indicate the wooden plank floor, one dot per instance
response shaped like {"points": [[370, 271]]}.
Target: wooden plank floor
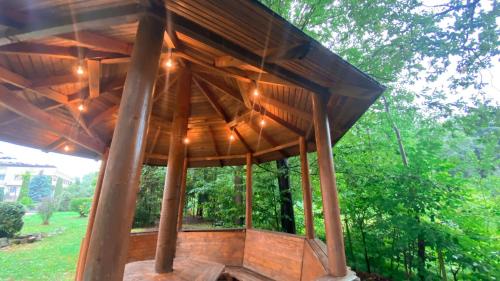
{"points": [[184, 270], [243, 274]]}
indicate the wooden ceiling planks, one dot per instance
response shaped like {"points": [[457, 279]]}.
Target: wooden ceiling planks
{"points": [[244, 26]]}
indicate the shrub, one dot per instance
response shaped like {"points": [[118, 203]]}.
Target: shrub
{"points": [[45, 209], [81, 205], [26, 202], [11, 218]]}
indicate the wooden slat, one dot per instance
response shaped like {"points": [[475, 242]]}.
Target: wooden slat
{"points": [[95, 40], [287, 53], [94, 73], [50, 26], [48, 121], [53, 51]]}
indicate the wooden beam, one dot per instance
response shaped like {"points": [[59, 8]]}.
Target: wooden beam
{"points": [[18, 117], [94, 73], [261, 133], [242, 140], [98, 41], [222, 87], [54, 145], [78, 116], [56, 80], [306, 189], [227, 61], [276, 148], [284, 53], [42, 27], [106, 114], [266, 99], [287, 125], [214, 40], [331, 210], [167, 230], [48, 121], [248, 192], [107, 254], [71, 53]]}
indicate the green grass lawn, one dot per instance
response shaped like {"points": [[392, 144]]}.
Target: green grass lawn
{"points": [[54, 258]]}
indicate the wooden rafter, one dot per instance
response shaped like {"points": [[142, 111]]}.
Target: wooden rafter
{"points": [[17, 117], [98, 41], [54, 145], [222, 87], [94, 74], [287, 125], [284, 53], [48, 121], [205, 36], [78, 117], [285, 107], [218, 108], [36, 49], [56, 80], [262, 133], [41, 27], [106, 114]]}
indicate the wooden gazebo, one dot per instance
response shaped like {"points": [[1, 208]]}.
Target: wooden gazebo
{"points": [[181, 84]]}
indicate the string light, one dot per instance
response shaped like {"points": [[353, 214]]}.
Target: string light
{"points": [[81, 107], [186, 140], [231, 137], [66, 148], [256, 92], [169, 63], [262, 121], [79, 70]]}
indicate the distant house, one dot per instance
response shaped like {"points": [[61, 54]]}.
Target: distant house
{"points": [[12, 171]]}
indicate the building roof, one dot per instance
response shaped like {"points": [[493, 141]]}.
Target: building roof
{"points": [[230, 46]]}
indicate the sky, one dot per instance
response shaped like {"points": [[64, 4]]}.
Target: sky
{"points": [[69, 165]]}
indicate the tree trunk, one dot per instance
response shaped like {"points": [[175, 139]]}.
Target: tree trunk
{"points": [[238, 193], [421, 256], [286, 201], [442, 268], [349, 242], [365, 248]]}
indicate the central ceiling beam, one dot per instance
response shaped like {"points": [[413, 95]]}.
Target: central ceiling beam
{"points": [[48, 121], [214, 40], [36, 49]]}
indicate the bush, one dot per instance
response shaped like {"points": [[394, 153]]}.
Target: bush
{"points": [[11, 218], [45, 209], [81, 205], [26, 202]]}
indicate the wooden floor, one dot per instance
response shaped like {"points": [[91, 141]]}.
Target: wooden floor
{"points": [[184, 270]]}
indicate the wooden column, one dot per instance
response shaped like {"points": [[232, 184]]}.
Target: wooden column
{"points": [[248, 199], [90, 224], [333, 227], [306, 189], [182, 197], [108, 247], [167, 232]]}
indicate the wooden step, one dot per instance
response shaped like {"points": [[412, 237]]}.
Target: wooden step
{"points": [[232, 273]]}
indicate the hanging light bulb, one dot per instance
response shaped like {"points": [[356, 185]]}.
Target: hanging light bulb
{"points": [[79, 70], [256, 92], [169, 63], [81, 107], [262, 121], [231, 137], [186, 140], [66, 148]]}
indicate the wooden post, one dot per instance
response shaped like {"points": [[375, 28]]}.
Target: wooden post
{"points": [[306, 189], [182, 197], [95, 202], [248, 199], [333, 226], [108, 247], [167, 231]]}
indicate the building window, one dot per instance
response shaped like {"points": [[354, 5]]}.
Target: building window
{"points": [[12, 190], [2, 177], [18, 177]]}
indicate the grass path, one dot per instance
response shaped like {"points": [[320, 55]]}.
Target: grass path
{"points": [[52, 259]]}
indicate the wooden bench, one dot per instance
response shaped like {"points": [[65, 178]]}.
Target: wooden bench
{"points": [[233, 273]]}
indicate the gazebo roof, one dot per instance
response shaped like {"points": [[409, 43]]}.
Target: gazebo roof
{"points": [[231, 47]]}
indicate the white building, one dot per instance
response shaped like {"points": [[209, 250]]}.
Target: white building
{"points": [[12, 171]]}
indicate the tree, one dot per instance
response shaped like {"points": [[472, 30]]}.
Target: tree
{"points": [[24, 192], [81, 205], [59, 188], [286, 201], [149, 199], [11, 218], [45, 209], [40, 188]]}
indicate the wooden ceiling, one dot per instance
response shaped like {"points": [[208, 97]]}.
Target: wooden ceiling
{"points": [[232, 49]]}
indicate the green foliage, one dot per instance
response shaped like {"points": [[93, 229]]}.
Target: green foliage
{"points": [[26, 202], [2, 193], [148, 205], [40, 188], [24, 192], [81, 206], [63, 201], [45, 210], [59, 188], [11, 218]]}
